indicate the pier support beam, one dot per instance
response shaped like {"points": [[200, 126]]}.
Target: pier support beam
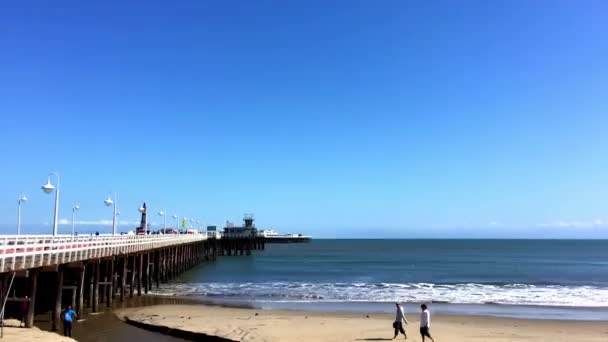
{"points": [[146, 271], [110, 286], [123, 277], [157, 268], [80, 291], [95, 305], [58, 293], [132, 283], [165, 257], [140, 262], [31, 307], [150, 276], [91, 276]]}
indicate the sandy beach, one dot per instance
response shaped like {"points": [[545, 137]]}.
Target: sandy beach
{"points": [[13, 333], [240, 324]]}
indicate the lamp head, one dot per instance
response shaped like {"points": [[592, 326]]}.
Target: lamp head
{"points": [[108, 201], [161, 213], [22, 198], [48, 187]]}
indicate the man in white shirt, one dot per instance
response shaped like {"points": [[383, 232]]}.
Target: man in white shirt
{"points": [[425, 323], [399, 317]]}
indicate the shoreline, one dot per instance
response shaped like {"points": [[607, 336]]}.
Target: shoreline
{"points": [[248, 324], [519, 311]]}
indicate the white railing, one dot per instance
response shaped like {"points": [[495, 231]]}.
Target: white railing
{"points": [[19, 252]]}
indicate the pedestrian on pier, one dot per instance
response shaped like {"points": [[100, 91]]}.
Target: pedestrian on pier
{"points": [[398, 323], [68, 316]]}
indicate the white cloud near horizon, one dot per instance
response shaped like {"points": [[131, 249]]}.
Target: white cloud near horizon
{"points": [[597, 223]]}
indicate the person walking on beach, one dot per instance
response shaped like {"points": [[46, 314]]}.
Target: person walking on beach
{"points": [[425, 323], [397, 324], [24, 307], [68, 316]]}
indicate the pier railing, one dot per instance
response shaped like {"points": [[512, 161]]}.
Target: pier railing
{"points": [[18, 252]]}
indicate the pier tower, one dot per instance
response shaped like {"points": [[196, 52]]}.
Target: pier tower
{"points": [[248, 221], [143, 225]]}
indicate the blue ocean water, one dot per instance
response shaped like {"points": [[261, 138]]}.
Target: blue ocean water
{"points": [[515, 277]]}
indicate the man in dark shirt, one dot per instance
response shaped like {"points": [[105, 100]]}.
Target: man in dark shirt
{"points": [[24, 307]]}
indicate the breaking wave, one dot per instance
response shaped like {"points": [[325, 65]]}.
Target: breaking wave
{"points": [[470, 293]]}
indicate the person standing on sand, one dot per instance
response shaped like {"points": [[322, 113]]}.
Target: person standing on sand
{"points": [[24, 307], [68, 316], [399, 317], [425, 323]]}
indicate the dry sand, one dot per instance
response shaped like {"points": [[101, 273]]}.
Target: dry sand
{"points": [[276, 325], [13, 333]]}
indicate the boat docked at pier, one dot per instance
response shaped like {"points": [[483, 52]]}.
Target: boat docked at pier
{"points": [[271, 236], [249, 229]]}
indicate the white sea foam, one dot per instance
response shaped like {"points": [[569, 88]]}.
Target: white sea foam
{"points": [[512, 294]]}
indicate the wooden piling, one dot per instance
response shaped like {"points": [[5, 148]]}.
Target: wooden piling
{"points": [[146, 260], [29, 317], [58, 292], [73, 290], [140, 261], [91, 282], [110, 286], [95, 305], [157, 268], [123, 277], [132, 283], [151, 267], [167, 264]]}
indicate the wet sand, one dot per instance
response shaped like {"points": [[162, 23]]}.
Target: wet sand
{"points": [[105, 326], [242, 324]]}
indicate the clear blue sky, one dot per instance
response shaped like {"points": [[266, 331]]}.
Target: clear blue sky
{"points": [[336, 118]]}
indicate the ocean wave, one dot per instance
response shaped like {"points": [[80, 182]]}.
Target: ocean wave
{"points": [[467, 293]]}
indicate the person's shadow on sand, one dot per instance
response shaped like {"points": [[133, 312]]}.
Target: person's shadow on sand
{"points": [[375, 339]]}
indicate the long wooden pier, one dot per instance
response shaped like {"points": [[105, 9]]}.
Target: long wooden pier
{"points": [[50, 272]]}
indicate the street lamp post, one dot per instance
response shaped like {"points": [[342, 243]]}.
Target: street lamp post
{"points": [[162, 214], [48, 188], [75, 208], [22, 199], [176, 221], [108, 202]]}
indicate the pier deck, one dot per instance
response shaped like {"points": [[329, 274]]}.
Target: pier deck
{"points": [[18, 252], [85, 271]]}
